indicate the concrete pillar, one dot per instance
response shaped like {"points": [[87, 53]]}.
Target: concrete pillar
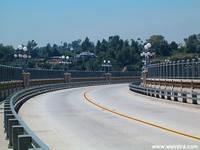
{"points": [[16, 131], [153, 93], [148, 92], [67, 77], [162, 94], [1, 94], [24, 142], [6, 112], [168, 95], [144, 77], [108, 77], [11, 123], [157, 94], [175, 96], [8, 117], [184, 99], [194, 98], [26, 79]]}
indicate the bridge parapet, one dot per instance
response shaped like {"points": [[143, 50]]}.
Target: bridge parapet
{"points": [[8, 87], [180, 83], [184, 95]]}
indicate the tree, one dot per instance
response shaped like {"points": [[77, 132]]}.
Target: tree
{"points": [[160, 45], [98, 47], [76, 45], [55, 50], [47, 51], [31, 46], [193, 43], [6, 53], [87, 45], [174, 45]]}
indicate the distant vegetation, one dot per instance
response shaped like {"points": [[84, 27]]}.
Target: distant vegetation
{"points": [[123, 54]]}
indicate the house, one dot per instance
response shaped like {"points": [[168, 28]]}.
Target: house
{"points": [[85, 55]]}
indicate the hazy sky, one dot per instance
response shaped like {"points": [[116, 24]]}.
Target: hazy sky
{"points": [[66, 20]]}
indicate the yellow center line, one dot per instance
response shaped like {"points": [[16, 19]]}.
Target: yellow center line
{"points": [[139, 120]]}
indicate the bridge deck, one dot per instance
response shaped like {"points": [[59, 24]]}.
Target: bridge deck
{"points": [[102, 117]]}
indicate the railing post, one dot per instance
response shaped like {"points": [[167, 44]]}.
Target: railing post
{"points": [[8, 117], [174, 70], [194, 98], [182, 69], [26, 79], [169, 95], [184, 95], [11, 123], [157, 94], [198, 70], [178, 69], [16, 131], [162, 94], [144, 77], [67, 77], [175, 96], [1, 92], [24, 142], [188, 69], [108, 77], [193, 68]]}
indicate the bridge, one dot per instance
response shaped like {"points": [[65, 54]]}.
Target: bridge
{"points": [[46, 109]]}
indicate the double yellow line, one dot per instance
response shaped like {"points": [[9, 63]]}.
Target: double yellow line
{"points": [[139, 120]]}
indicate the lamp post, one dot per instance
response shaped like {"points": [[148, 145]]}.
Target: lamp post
{"points": [[106, 65], [182, 69], [23, 54], [66, 62], [146, 54]]}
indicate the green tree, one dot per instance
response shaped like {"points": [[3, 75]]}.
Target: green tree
{"points": [[55, 50], [193, 43], [87, 45], [76, 45], [32, 47], [160, 45], [174, 46], [6, 53]]}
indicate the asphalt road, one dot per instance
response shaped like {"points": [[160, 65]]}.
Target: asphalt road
{"points": [[111, 117]]}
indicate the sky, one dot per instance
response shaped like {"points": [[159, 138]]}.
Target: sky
{"points": [[53, 21]]}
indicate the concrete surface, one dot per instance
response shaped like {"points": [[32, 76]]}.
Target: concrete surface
{"points": [[66, 120]]}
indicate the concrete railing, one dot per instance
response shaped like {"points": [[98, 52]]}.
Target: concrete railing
{"points": [[17, 132], [169, 93], [181, 83], [9, 87]]}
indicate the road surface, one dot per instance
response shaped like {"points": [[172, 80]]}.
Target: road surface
{"points": [[111, 117]]}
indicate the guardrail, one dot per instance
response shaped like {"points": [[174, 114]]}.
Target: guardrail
{"points": [[8, 73], [181, 69], [175, 94], [9, 87], [18, 133], [182, 83]]}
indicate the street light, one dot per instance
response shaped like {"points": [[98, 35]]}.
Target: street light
{"points": [[146, 54], [106, 64], [23, 54], [65, 61]]}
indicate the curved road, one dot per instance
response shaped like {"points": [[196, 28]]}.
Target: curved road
{"points": [[110, 117]]}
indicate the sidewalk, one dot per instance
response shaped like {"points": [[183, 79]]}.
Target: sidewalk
{"points": [[3, 142]]}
